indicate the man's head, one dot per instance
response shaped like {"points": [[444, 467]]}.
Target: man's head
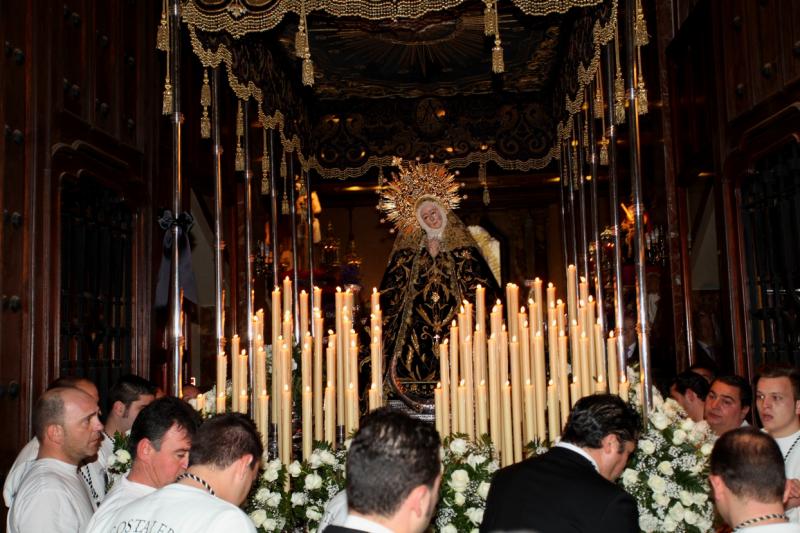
{"points": [[67, 424], [125, 399], [431, 216], [746, 470], [707, 372], [84, 384], [230, 446], [690, 389], [629, 330], [393, 470], [727, 403], [778, 400], [607, 428], [161, 438]]}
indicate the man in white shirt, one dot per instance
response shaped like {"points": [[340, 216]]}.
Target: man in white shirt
{"points": [[52, 497], [223, 463], [159, 445], [393, 475], [749, 483], [778, 404], [728, 403], [28, 454]]}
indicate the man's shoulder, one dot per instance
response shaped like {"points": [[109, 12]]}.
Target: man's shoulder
{"points": [[340, 529]]}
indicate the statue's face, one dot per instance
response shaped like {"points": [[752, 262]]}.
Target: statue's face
{"points": [[430, 214]]}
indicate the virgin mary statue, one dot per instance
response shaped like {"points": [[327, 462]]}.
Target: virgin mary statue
{"points": [[435, 265]]}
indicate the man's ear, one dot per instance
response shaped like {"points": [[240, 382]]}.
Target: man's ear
{"points": [[55, 433], [144, 449], [691, 395], [244, 465], [717, 485], [418, 500], [118, 409], [797, 407], [610, 444]]}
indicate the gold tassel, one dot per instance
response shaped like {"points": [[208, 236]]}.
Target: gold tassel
{"points": [[640, 27], [308, 71], [641, 97], [283, 169], [205, 102], [265, 187], [166, 107], [285, 204], [498, 67], [604, 151], [598, 98], [162, 36], [489, 21], [619, 98], [239, 159], [300, 40]]}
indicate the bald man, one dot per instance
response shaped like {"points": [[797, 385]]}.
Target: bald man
{"points": [[52, 496], [28, 454]]}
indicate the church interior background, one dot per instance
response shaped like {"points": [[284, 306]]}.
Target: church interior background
{"points": [[313, 96]]}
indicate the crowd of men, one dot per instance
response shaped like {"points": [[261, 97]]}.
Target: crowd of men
{"points": [[188, 476]]}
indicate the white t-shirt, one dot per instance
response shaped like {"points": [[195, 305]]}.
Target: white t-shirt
{"points": [[92, 474], [783, 527], [50, 499], [121, 494], [180, 509], [792, 466], [25, 458]]}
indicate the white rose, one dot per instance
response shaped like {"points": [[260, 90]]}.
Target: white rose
{"points": [[670, 524], [704, 524], [679, 437], [313, 482], [123, 456], [686, 498], [459, 499], [458, 446], [475, 515], [647, 447], [298, 499], [687, 424], [630, 477], [665, 468], [677, 511], [656, 483], [294, 468], [274, 499], [483, 490], [659, 420], [690, 517], [475, 460], [315, 460], [459, 480], [258, 517], [648, 523], [706, 448], [312, 513], [449, 528], [327, 457], [662, 500], [270, 524], [493, 467], [270, 475], [262, 495], [699, 498], [111, 461]]}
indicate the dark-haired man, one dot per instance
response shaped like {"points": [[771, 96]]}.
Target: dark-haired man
{"points": [[778, 404], [727, 403], [571, 487], [223, 464], [159, 445], [749, 483], [52, 497], [393, 475], [690, 389], [28, 453]]}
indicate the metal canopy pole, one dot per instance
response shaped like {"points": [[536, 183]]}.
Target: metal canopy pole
{"points": [[310, 246], [584, 246], [638, 208], [599, 292], [564, 176], [273, 207], [248, 251], [295, 265], [176, 340], [219, 309]]}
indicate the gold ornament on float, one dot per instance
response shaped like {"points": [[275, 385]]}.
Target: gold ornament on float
{"points": [[414, 181]]}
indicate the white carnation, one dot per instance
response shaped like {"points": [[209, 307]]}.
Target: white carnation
{"points": [[327, 457], [262, 495], [690, 517], [315, 460], [670, 524], [459, 480], [687, 424], [270, 524], [706, 448], [665, 467], [298, 499], [313, 482], [678, 437], [659, 420], [483, 490], [458, 446], [459, 499], [656, 483], [312, 513], [123, 456], [294, 468], [449, 528], [647, 447], [274, 499], [258, 516], [648, 523], [661, 499], [474, 460], [630, 477], [474, 515], [700, 498], [493, 467], [111, 461], [686, 498], [677, 511]]}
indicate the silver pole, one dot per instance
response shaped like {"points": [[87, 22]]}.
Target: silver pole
{"points": [[619, 310], [573, 222], [638, 210], [310, 245], [295, 265], [561, 186], [273, 207], [248, 252], [599, 291], [219, 310], [584, 246], [177, 121]]}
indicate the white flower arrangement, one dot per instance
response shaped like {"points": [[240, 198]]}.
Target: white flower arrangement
{"points": [[667, 475], [267, 505], [467, 469], [119, 463], [316, 482]]}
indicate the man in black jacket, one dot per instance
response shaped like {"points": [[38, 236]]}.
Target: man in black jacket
{"points": [[571, 487]]}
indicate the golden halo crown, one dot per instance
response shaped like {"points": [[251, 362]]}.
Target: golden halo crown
{"points": [[414, 181]]}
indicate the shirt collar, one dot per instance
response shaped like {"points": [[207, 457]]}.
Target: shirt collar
{"points": [[579, 451], [363, 524]]}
